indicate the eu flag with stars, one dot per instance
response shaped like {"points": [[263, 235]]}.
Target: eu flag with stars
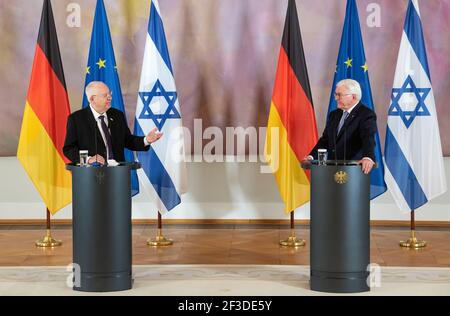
{"points": [[102, 67], [352, 64]]}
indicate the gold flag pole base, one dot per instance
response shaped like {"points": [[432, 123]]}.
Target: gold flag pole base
{"points": [[413, 242], [292, 241], [159, 240], [48, 241]]}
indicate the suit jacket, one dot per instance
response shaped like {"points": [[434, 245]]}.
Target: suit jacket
{"points": [[356, 137], [83, 133]]}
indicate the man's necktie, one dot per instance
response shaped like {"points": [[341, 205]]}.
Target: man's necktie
{"points": [[342, 121], [107, 137]]}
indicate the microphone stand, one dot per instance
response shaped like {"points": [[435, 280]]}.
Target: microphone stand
{"points": [[335, 149], [96, 163], [345, 143]]}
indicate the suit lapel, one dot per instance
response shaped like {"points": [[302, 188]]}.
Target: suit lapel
{"points": [[349, 119], [90, 119], [336, 121], [93, 128], [112, 125]]}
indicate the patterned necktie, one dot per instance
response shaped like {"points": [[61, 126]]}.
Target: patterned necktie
{"points": [[342, 121], [107, 137]]}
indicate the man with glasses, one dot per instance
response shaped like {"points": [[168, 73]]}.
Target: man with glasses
{"points": [[350, 130], [102, 130]]}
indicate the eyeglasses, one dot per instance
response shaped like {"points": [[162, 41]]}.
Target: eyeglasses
{"points": [[104, 95], [338, 95]]}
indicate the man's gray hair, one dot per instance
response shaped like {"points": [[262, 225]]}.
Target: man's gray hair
{"points": [[92, 86], [352, 87]]}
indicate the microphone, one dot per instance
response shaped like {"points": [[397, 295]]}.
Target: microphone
{"points": [[335, 149], [96, 163], [345, 139], [345, 143]]}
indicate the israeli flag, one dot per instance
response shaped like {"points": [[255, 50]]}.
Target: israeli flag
{"points": [[413, 153], [163, 172]]}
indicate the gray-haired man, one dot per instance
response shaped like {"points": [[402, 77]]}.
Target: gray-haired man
{"points": [[350, 129]]}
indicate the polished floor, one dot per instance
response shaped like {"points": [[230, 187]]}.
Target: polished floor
{"points": [[228, 244]]}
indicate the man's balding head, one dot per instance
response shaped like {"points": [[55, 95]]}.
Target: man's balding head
{"points": [[99, 96]]}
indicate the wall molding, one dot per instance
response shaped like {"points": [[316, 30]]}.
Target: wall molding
{"points": [[374, 223]]}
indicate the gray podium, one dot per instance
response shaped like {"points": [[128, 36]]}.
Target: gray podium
{"points": [[102, 227], [340, 227]]}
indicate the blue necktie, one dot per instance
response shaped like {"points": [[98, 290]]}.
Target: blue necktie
{"points": [[107, 137], [342, 121]]}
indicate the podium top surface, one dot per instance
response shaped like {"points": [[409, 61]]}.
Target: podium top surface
{"points": [[132, 165], [308, 163]]}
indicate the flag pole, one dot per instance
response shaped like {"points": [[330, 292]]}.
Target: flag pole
{"points": [[292, 241], [159, 240], [47, 241], [413, 242]]}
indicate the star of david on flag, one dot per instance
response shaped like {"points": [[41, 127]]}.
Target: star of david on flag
{"points": [[160, 117], [397, 108], [163, 172]]}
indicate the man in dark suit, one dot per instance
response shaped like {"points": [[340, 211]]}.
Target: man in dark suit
{"points": [[102, 130], [350, 129]]}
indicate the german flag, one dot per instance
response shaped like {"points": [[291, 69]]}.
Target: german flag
{"points": [[44, 120], [291, 128]]}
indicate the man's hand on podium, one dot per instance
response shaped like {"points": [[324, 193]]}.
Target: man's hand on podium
{"points": [[96, 158], [306, 162], [366, 165]]}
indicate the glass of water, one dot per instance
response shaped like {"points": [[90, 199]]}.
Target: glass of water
{"points": [[84, 158], [322, 156]]}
